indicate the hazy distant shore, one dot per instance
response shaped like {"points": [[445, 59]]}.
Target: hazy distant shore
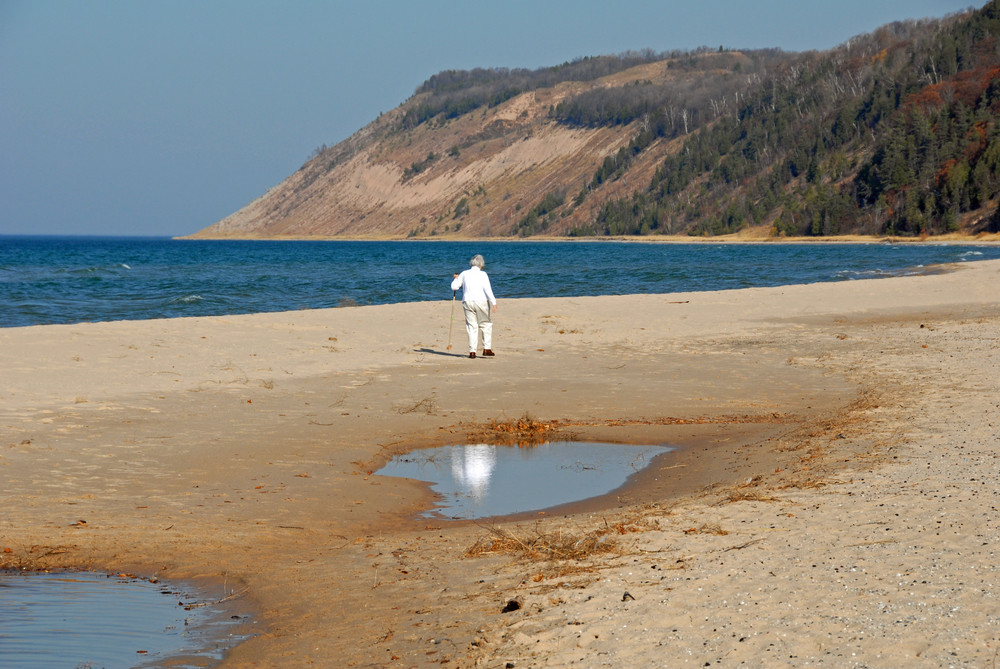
{"points": [[748, 238]]}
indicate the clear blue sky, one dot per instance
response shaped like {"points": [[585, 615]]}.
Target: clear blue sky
{"points": [[160, 117]]}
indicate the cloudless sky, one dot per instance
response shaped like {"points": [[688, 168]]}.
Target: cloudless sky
{"points": [[160, 117]]}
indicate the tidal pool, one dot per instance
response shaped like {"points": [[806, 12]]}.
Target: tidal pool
{"points": [[91, 621], [480, 480]]}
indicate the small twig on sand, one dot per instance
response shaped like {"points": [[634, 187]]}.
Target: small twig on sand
{"points": [[873, 543], [742, 546], [231, 596], [427, 405]]}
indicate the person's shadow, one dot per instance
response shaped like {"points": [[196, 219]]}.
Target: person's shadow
{"points": [[433, 352]]}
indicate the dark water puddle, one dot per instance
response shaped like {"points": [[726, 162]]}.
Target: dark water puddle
{"points": [[479, 480], [87, 620]]}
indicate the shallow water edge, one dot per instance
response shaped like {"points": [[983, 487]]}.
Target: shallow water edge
{"points": [[91, 619]]}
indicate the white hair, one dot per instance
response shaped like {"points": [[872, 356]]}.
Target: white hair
{"points": [[477, 261]]}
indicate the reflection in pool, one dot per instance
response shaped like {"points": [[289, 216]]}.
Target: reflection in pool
{"points": [[479, 480]]}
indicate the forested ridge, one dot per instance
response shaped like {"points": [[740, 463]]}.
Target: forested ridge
{"points": [[892, 133]]}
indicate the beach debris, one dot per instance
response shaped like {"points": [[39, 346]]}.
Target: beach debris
{"points": [[511, 606], [627, 596]]}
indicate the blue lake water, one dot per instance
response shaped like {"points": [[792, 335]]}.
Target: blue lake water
{"points": [[46, 280]]}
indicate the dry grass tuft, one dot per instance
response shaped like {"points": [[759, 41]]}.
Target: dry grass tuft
{"points": [[749, 496], [558, 545], [524, 431], [707, 529], [808, 483]]}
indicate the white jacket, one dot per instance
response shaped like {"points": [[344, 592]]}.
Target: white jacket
{"points": [[475, 285]]}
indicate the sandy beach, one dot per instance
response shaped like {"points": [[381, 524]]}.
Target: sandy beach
{"points": [[832, 502]]}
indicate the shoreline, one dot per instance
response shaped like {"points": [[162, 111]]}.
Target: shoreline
{"points": [[957, 239], [984, 238], [241, 447]]}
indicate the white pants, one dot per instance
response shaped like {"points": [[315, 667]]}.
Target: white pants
{"points": [[478, 319]]}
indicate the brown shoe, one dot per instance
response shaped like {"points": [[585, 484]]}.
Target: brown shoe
{"points": [[472, 355], [488, 353]]}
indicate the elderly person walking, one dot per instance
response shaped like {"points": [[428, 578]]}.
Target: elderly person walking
{"points": [[479, 304]]}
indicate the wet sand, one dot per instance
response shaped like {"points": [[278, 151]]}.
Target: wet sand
{"points": [[832, 502]]}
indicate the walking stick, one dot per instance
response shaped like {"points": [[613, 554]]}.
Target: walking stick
{"points": [[450, 324]]}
